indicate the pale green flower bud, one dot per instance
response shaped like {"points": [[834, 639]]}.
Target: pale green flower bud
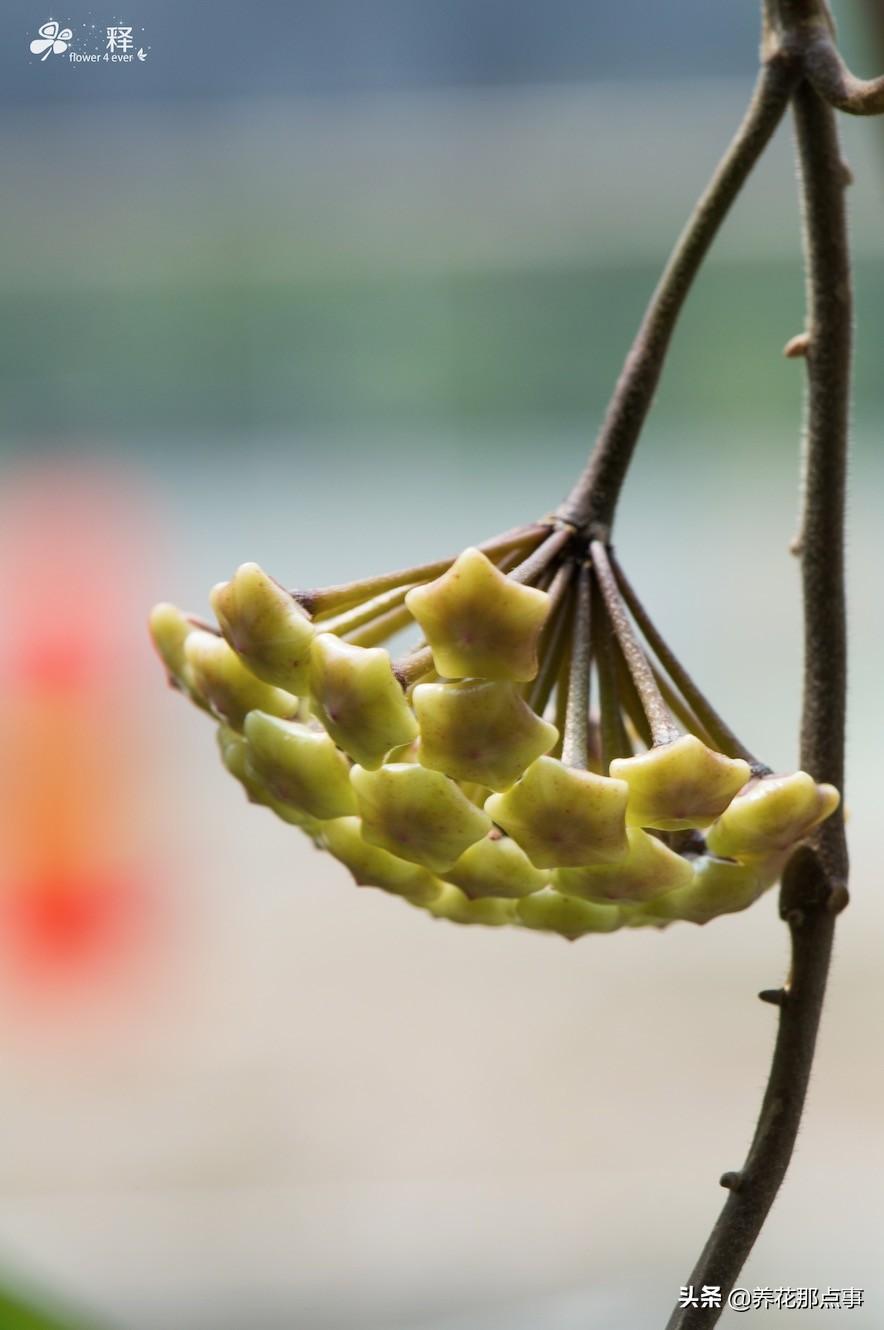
{"points": [[227, 686], [679, 785], [649, 869], [417, 814], [232, 747], [374, 867], [169, 630], [563, 817], [359, 700], [496, 866], [548, 912], [265, 627], [478, 622], [479, 731], [405, 752], [235, 756], [719, 886], [300, 766], [453, 905], [772, 815]]}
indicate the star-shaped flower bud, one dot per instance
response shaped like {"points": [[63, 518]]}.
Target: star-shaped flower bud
{"points": [[359, 700], [680, 784], [549, 912], [719, 886], [417, 814], [169, 630], [496, 866], [453, 905], [265, 627], [235, 756], [478, 622], [373, 867], [232, 747], [476, 730], [300, 766], [227, 686], [773, 815], [649, 869], [563, 817]]}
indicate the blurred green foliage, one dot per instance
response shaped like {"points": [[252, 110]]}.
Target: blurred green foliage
{"points": [[490, 348], [17, 1313]]}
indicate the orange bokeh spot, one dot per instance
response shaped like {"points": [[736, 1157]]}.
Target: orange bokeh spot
{"points": [[72, 542], [65, 926]]}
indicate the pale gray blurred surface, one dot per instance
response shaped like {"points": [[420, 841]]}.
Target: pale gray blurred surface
{"points": [[333, 1111]]}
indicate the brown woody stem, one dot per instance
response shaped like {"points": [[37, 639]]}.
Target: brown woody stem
{"points": [[381, 628], [604, 650], [540, 561], [350, 620], [553, 641], [591, 503], [331, 599], [814, 882], [575, 740], [717, 728], [836, 84], [659, 718]]}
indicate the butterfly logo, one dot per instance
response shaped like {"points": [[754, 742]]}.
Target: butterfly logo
{"points": [[51, 39]]}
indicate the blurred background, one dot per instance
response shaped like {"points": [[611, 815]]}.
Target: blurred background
{"points": [[339, 287]]}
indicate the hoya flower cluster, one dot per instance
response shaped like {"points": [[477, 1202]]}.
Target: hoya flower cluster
{"points": [[536, 757]]}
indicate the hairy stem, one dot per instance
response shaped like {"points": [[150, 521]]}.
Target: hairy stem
{"points": [[575, 739], [614, 742], [333, 599], [552, 643], [538, 563], [814, 883], [656, 710], [350, 620], [380, 629], [721, 733], [591, 503], [835, 82]]}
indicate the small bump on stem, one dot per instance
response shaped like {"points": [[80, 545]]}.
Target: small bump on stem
{"points": [[797, 347]]}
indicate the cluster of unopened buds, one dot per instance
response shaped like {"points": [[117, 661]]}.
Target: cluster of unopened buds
{"points": [[538, 756]]}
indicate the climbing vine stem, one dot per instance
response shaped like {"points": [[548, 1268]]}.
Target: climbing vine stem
{"points": [[814, 882], [592, 502]]}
